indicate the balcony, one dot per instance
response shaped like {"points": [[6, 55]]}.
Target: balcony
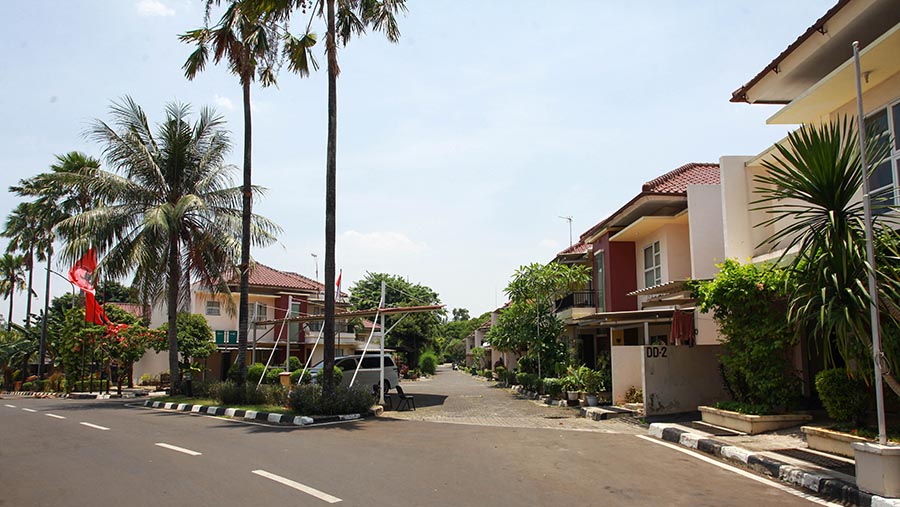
{"points": [[577, 299]]}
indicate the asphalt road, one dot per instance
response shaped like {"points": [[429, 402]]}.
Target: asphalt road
{"points": [[57, 452]]}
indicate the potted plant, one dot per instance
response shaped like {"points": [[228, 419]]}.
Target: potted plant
{"points": [[592, 387], [571, 386]]}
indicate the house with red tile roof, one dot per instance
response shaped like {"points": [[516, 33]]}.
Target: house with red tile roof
{"points": [[274, 294]]}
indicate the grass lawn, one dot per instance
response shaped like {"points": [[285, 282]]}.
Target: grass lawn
{"points": [[272, 409]]}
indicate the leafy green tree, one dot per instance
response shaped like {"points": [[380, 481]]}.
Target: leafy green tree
{"points": [[460, 314], [416, 331], [533, 292], [25, 230], [195, 338], [248, 42], [171, 213], [12, 270], [110, 291], [810, 192]]}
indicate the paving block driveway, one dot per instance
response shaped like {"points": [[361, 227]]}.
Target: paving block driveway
{"points": [[456, 397]]}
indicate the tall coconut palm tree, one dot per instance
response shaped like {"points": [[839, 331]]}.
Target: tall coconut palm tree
{"points": [[169, 206], [25, 231], [249, 46], [12, 280], [811, 192]]}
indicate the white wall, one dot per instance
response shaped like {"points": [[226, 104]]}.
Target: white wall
{"points": [[707, 329], [735, 206], [707, 241], [679, 379], [626, 370]]}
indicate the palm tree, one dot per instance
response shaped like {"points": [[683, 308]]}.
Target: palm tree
{"points": [[170, 207], [249, 45], [25, 231], [55, 199], [811, 191], [13, 280]]}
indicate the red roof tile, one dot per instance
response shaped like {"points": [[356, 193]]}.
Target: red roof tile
{"points": [[677, 181], [264, 276], [132, 308], [576, 249]]}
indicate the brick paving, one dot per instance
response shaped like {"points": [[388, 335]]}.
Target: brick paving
{"points": [[454, 397]]}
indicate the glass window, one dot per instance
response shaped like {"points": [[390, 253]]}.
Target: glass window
{"points": [[294, 327], [652, 265], [895, 113], [883, 180], [600, 277], [213, 308], [346, 364]]}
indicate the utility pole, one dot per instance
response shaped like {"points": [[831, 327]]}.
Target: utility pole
{"points": [[381, 356], [316, 258], [569, 219]]}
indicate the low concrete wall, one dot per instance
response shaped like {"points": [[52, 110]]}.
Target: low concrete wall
{"points": [[679, 379], [626, 370]]}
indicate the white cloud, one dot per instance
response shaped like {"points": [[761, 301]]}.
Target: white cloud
{"points": [[150, 8], [223, 102], [380, 243]]}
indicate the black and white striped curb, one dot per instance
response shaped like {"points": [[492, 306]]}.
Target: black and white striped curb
{"points": [[252, 415], [33, 394], [812, 480]]}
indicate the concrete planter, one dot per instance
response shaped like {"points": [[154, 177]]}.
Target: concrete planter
{"points": [[878, 468], [835, 442], [751, 424]]}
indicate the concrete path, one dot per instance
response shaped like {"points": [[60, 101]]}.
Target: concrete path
{"points": [[459, 398]]}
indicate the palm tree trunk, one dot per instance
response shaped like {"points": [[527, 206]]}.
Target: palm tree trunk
{"points": [[30, 280], [246, 213], [173, 288], [330, 199], [9, 317], [43, 344]]}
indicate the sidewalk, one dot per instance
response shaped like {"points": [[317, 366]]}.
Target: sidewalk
{"points": [[782, 455]]}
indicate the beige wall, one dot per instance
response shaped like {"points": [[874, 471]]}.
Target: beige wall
{"points": [[736, 225], [675, 252], [707, 244], [707, 329], [626, 370], [152, 363], [679, 379]]}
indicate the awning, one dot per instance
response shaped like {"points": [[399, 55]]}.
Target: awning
{"points": [[355, 313], [609, 319]]}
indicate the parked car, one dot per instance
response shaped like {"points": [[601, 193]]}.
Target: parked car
{"points": [[368, 372]]}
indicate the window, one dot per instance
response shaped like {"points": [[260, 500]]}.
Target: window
{"points": [[258, 311], [883, 180], [374, 363], [213, 308], [294, 327], [652, 265], [600, 277]]}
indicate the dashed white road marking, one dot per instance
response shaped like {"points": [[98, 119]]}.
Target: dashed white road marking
{"points": [[89, 425], [744, 473], [299, 487], [29, 410], [10, 406], [55, 416], [179, 449]]}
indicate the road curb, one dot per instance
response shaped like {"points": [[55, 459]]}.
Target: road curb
{"points": [[33, 394], [811, 480], [252, 415]]}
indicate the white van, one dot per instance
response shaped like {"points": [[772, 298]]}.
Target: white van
{"points": [[368, 373]]}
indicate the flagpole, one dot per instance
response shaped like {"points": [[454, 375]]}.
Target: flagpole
{"points": [[870, 254]]}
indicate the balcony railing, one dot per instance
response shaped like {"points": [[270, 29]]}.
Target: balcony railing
{"points": [[577, 299]]}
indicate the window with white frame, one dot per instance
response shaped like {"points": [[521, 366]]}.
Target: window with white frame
{"points": [[213, 308], [652, 265], [294, 327], [600, 277], [258, 311], [883, 180]]}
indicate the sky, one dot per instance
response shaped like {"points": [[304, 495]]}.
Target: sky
{"points": [[459, 148]]}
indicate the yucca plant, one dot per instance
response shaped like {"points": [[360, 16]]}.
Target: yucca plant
{"points": [[811, 191]]}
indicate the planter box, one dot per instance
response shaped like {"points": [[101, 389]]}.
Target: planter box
{"points": [[878, 468], [835, 442], [751, 424]]}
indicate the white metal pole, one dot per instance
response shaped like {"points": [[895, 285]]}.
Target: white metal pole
{"points": [[381, 346], [287, 356], [870, 254]]}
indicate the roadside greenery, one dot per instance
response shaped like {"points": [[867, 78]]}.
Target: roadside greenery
{"points": [[845, 398], [749, 304]]}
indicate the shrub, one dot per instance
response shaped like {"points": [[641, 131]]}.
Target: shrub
{"points": [[308, 400], [749, 304], [85, 385], [295, 377], [742, 408], [147, 379], [273, 376], [529, 381], [28, 386], [501, 373], [294, 363], [201, 388], [428, 363], [275, 394], [593, 381], [634, 395], [234, 373], [254, 372], [845, 398], [229, 393], [553, 386]]}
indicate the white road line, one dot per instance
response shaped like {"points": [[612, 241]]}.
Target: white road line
{"points": [[29, 410], [776, 485], [299, 487], [55, 416], [179, 449], [89, 425], [10, 406]]}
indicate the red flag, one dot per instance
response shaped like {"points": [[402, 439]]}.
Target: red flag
{"points": [[338, 283], [80, 273], [93, 312]]}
